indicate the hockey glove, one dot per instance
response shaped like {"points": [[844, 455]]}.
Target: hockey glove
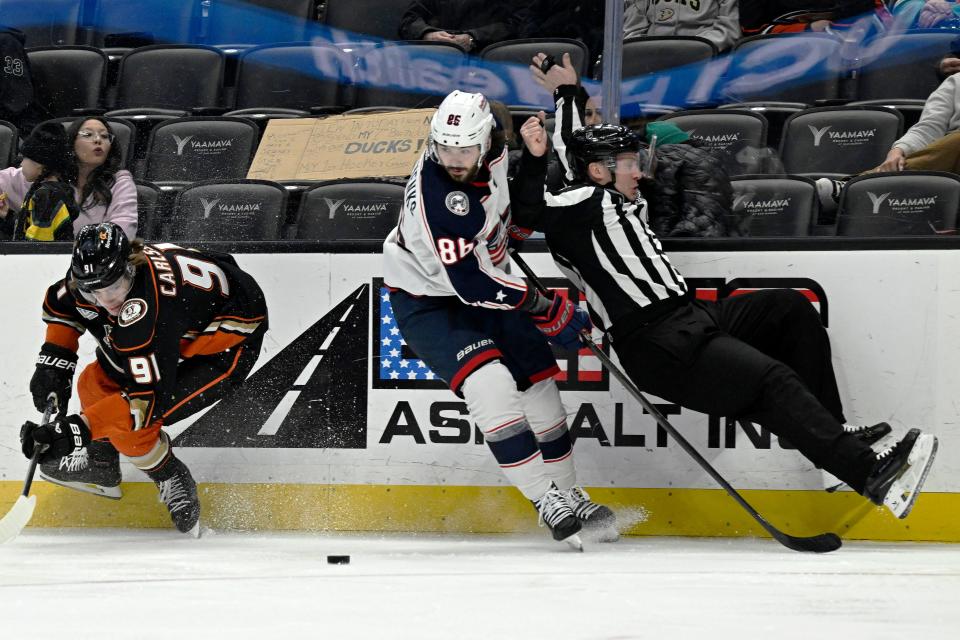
{"points": [[562, 323], [63, 436], [54, 374]]}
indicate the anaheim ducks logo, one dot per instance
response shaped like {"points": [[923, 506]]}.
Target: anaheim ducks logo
{"points": [[458, 203], [131, 311], [665, 14]]}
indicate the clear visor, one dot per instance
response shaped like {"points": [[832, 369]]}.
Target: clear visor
{"points": [[627, 163], [108, 292]]}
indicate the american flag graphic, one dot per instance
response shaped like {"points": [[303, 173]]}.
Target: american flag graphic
{"points": [[396, 366], [397, 362]]}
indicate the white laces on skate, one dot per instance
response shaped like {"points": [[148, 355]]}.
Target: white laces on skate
{"points": [[553, 508], [580, 503], [77, 460], [174, 494], [887, 451]]}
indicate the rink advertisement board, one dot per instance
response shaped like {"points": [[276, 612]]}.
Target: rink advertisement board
{"points": [[340, 418]]}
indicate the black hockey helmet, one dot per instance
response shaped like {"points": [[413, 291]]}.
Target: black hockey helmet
{"points": [[600, 143], [100, 255]]}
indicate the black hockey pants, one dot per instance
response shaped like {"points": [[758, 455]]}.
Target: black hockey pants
{"points": [[762, 357]]}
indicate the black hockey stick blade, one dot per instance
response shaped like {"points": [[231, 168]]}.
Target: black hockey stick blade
{"points": [[820, 543]]}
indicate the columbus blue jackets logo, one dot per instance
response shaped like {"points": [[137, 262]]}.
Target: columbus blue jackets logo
{"points": [[458, 203]]}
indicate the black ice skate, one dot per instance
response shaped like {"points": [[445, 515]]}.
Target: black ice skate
{"points": [[872, 435], [556, 514], [898, 475], [595, 518], [92, 469], [179, 492]]}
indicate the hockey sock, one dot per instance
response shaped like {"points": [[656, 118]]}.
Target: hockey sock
{"points": [[494, 403], [548, 419], [156, 456]]}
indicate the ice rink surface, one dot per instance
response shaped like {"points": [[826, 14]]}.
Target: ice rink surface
{"points": [[107, 584]]}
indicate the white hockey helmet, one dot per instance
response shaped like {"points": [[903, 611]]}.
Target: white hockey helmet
{"points": [[462, 120]]}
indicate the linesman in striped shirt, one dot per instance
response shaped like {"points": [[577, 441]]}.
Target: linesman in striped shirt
{"points": [[763, 357]]}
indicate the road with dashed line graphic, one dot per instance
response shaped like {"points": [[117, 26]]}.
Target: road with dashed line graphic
{"points": [[313, 394]]}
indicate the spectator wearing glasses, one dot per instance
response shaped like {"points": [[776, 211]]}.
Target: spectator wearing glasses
{"points": [[90, 164], [104, 191]]}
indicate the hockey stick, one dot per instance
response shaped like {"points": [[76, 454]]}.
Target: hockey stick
{"points": [[19, 515], [820, 543]]}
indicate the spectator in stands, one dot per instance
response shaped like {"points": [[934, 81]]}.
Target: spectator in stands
{"points": [[933, 143], [689, 192], [794, 16], [927, 14], [576, 19], [25, 211], [104, 192], [469, 24], [716, 20]]}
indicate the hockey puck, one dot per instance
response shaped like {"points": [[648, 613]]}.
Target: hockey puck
{"points": [[338, 559]]}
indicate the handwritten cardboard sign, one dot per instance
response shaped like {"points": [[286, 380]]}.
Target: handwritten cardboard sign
{"points": [[353, 146]]}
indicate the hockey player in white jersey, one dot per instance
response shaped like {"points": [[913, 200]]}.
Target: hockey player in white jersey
{"points": [[480, 328]]}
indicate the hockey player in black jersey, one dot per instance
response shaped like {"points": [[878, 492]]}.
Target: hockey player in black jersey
{"points": [[763, 357], [176, 330]]}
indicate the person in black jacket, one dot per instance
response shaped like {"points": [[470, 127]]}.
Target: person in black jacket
{"points": [[689, 194], [469, 24], [48, 208], [763, 357]]}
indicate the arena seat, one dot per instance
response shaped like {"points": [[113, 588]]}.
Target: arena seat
{"points": [[388, 71], [786, 68], [522, 51], [186, 150], [778, 206], [291, 75], [149, 198], [229, 210], [180, 77], [717, 129], [902, 66], [377, 18], [118, 23], [349, 210], [255, 22], [776, 114], [911, 108], [9, 139], [898, 204], [47, 23], [651, 54], [67, 78], [841, 140]]}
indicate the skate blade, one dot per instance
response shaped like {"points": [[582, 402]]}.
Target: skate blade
{"points": [[114, 493], [907, 492], [195, 531], [575, 542]]}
